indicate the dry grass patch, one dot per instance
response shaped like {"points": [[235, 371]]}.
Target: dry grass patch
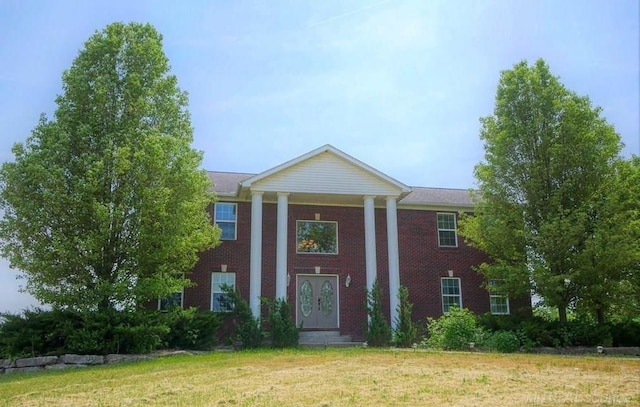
{"points": [[337, 377]]}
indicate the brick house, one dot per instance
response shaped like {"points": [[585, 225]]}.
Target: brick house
{"points": [[321, 228]]}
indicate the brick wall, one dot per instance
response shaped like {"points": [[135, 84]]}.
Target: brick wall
{"points": [[422, 262]]}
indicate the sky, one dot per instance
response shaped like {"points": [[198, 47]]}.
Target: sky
{"points": [[400, 85]]}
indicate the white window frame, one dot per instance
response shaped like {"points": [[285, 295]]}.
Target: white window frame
{"points": [[493, 296], [311, 252], [446, 305], [454, 230], [226, 221], [215, 287], [165, 308]]}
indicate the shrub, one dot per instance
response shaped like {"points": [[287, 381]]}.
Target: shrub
{"points": [[190, 329], [247, 328], [406, 332], [378, 330], [284, 332], [453, 331], [503, 341]]}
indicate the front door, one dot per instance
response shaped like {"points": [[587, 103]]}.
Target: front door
{"points": [[317, 301]]}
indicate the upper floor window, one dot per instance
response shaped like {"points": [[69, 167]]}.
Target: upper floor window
{"points": [[498, 301], [447, 236], [316, 237], [225, 216], [220, 301], [451, 293]]}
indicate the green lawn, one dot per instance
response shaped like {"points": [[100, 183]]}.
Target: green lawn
{"points": [[335, 377]]}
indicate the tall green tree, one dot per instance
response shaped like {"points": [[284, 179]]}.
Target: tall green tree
{"points": [[549, 156], [609, 264], [105, 205]]}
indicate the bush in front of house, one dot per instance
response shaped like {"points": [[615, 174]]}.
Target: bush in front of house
{"points": [[502, 341], [405, 333], [455, 330], [283, 331], [56, 332], [378, 329], [191, 329], [246, 326]]}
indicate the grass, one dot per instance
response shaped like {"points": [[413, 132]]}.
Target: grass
{"points": [[336, 377]]}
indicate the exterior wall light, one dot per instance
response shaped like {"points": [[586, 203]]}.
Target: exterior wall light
{"points": [[347, 281]]}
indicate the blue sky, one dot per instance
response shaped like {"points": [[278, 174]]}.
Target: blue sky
{"points": [[400, 85]]}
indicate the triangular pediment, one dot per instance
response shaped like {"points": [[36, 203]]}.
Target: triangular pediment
{"points": [[326, 170]]}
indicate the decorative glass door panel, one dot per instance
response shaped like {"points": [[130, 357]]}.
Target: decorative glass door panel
{"points": [[317, 301]]}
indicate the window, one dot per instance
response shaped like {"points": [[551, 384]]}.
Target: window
{"points": [[220, 302], [316, 237], [498, 301], [451, 296], [225, 217], [447, 230], [172, 301]]}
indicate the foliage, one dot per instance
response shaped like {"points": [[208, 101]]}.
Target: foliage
{"points": [[283, 331], [247, 327], [378, 330], [405, 333], [453, 331], [544, 329], [503, 342], [550, 208], [105, 205], [57, 331], [190, 329]]}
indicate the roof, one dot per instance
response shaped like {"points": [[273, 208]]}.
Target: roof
{"points": [[227, 183], [438, 196]]}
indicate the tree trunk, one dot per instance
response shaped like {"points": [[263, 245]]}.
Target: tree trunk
{"points": [[600, 315], [562, 314]]}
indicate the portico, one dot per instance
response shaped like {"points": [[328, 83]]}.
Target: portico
{"points": [[325, 176]]}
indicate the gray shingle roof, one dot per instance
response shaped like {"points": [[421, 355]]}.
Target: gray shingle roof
{"points": [[438, 196], [226, 183]]}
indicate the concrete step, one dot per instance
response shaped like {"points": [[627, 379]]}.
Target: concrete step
{"points": [[323, 338]]}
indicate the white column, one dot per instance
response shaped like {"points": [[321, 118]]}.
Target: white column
{"points": [[394, 262], [370, 240], [281, 246], [255, 265]]}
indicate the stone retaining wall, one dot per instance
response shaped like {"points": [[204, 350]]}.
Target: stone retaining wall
{"points": [[65, 362]]}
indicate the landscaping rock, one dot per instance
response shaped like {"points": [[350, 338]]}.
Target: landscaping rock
{"points": [[72, 359], [117, 358], [39, 361], [7, 363]]}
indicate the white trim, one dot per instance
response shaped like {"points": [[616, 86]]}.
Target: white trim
{"points": [[281, 245], [370, 241], [442, 295], [235, 222], [493, 295], [255, 259], [214, 292], [318, 221], [332, 150], [455, 228], [394, 260]]}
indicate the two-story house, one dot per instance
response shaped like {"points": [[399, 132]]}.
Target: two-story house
{"points": [[320, 229]]}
